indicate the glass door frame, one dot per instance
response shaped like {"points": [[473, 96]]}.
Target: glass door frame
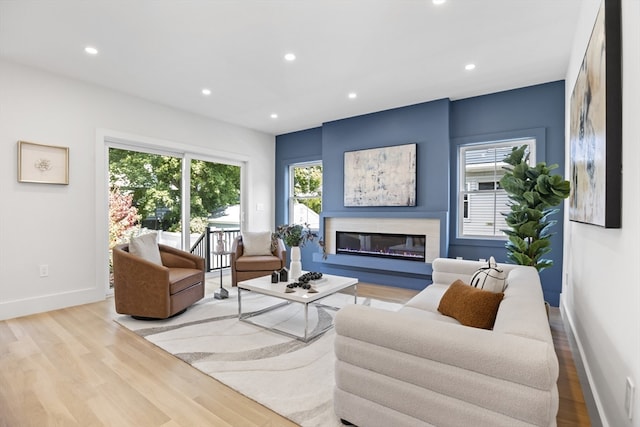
{"points": [[106, 139]]}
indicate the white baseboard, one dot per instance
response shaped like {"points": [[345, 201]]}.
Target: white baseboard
{"points": [[566, 316], [43, 303]]}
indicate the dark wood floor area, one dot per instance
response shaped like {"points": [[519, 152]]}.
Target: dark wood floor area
{"points": [[77, 367], [573, 409]]}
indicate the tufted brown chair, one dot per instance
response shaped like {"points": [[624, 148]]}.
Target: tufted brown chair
{"points": [[249, 267], [144, 289]]}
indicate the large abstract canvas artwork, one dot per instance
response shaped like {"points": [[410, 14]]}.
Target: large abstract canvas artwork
{"points": [[380, 176], [596, 126]]}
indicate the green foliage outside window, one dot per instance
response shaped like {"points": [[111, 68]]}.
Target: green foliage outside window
{"points": [[307, 186], [154, 183]]}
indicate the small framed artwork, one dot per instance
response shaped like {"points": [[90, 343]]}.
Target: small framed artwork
{"points": [[45, 164]]}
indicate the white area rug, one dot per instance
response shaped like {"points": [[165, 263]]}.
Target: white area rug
{"points": [[286, 375]]}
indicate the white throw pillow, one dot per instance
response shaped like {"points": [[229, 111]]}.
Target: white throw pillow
{"points": [[146, 246], [490, 278], [256, 243]]}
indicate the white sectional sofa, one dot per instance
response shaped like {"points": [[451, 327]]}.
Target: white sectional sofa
{"points": [[416, 367]]}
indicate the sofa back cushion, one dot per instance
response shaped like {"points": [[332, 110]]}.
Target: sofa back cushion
{"points": [[256, 243]]}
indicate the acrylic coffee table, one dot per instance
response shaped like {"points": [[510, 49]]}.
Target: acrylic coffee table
{"points": [[327, 286]]}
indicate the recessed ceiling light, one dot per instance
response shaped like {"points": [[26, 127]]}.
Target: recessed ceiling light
{"points": [[469, 67], [206, 91], [274, 116], [352, 95], [438, 2], [290, 57], [91, 50]]}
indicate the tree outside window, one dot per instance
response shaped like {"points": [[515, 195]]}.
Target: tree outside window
{"points": [[154, 183], [305, 194]]}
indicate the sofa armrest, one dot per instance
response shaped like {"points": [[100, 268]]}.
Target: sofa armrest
{"points": [[177, 258], [281, 251], [132, 272], [511, 358], [237, 249]]}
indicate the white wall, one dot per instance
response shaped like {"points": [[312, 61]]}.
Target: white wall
{"points": [[601, 293], [63, 226]]}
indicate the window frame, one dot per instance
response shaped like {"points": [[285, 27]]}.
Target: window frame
{"points": [[292, 197], [463, 189]]}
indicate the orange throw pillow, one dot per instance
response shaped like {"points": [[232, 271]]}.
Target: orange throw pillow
{"points": [[470, 306]]}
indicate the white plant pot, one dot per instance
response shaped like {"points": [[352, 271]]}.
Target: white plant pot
{"points": [[295, 268]]}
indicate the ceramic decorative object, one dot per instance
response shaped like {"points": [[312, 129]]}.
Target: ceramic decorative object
{"points": [[220, 242], [295, 236], [295, 268], [220, 245]]}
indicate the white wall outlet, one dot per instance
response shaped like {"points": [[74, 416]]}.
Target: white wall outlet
{"points": [[628, 398], [44, 270], [260, 207]]}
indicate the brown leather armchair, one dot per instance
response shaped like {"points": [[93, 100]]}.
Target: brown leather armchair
{"points": [[249, 267], [147, 290]]}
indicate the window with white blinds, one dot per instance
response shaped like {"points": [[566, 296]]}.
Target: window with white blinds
{"points": [[481, 200]]}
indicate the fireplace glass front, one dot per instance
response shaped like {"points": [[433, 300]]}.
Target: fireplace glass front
{"points": [[395, 246]]}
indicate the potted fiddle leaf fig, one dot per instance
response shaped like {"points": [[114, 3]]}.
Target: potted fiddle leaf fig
{"points": [[534, 194]]}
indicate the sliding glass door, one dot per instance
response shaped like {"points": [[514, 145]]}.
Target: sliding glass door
{"points": [[214, 203], [173, 194]]}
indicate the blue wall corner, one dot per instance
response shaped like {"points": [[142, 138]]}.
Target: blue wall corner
{"points": [[295, 147]]}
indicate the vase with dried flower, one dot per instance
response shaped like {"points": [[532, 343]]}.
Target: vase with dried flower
{"points": [[295, 236]]}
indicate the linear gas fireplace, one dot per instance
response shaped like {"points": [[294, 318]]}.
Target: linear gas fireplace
{"points": [[394, 246]]}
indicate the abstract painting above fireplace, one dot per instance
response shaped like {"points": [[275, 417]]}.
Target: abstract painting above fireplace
{"points": [[383, 176]]}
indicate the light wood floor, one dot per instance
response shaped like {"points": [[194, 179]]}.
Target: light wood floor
{"points": [[77, 367]]}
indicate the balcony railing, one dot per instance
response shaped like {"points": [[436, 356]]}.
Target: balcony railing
{"points": [[206, 244]]}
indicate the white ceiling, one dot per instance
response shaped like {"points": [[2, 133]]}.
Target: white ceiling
{"points": [[390, 52]]}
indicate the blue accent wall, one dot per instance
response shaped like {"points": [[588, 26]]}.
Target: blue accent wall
{"points": [[536, 111], [296, 147], [425, 124], [437, 127]]}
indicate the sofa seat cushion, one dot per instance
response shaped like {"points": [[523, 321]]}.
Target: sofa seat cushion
{"points": [[429, 298], [182, 278], [419, 313], [258, 263]]}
